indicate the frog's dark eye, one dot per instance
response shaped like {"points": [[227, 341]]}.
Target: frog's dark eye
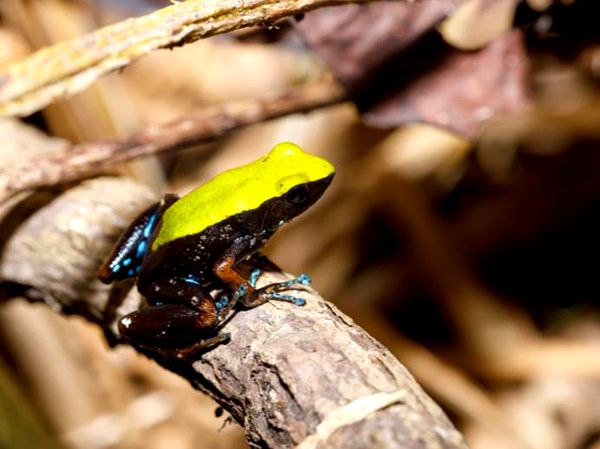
{"points": [[297, 195]]}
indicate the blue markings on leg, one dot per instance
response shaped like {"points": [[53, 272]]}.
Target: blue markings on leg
{"points": [[241, 291], [132, 271], [303, 279], [132, 248], [149, 226], [221, 302], [254, 274], [141, 249], [273, 291], [288, 298]]}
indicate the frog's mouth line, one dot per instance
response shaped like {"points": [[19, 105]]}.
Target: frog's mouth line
{"points": [[315, 190]]}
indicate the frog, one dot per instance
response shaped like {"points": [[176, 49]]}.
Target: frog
{"points": [[181, 250]]}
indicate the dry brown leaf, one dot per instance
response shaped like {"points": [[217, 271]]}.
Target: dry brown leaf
{"points": [[463, 91], [355, 40], [399, 70]]}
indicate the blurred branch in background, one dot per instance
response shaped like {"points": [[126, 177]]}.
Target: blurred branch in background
{"points": [[88, 159], [71, 66]]}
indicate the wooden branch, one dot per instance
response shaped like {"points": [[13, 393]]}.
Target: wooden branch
{"points": [[69, 67], [303, 377], [80, 161]]}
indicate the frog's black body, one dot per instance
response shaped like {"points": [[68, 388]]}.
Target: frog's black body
{"points": [[176, 278], [197, 254]]}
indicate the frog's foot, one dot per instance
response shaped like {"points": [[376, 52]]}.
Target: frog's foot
{"points": [[222, 302], [254, 274], [200, 346], [273, 292], [224, 305]]}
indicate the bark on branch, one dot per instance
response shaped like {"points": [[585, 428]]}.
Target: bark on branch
{"points": [[69, 67], [83, 160], [304, 377]]}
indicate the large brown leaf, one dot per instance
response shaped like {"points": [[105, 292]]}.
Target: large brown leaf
{"points": [[398, 69], [357, 39], [461, 91]]}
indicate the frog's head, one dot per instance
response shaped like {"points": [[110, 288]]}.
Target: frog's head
{"points": [[300, 179]]}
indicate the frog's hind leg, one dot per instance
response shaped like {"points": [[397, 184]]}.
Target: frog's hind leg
{"points": [[181, 320], [175, 330], [200, 346], [127, 256]]}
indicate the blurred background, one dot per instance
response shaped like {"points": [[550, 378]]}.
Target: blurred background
{"points": [[461, 229]]}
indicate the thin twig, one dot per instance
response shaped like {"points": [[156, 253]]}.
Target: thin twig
{"points": [[68, 67], [80, 161]]}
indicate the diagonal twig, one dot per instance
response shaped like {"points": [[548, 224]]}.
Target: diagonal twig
{"points": [[83, 160], [69, 67]]}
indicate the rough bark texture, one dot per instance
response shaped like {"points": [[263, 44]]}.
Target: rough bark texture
{"points": [[292, 376]]}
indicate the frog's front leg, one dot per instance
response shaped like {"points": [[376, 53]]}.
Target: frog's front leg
{"points": [[244, 290], [182, 320]]}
